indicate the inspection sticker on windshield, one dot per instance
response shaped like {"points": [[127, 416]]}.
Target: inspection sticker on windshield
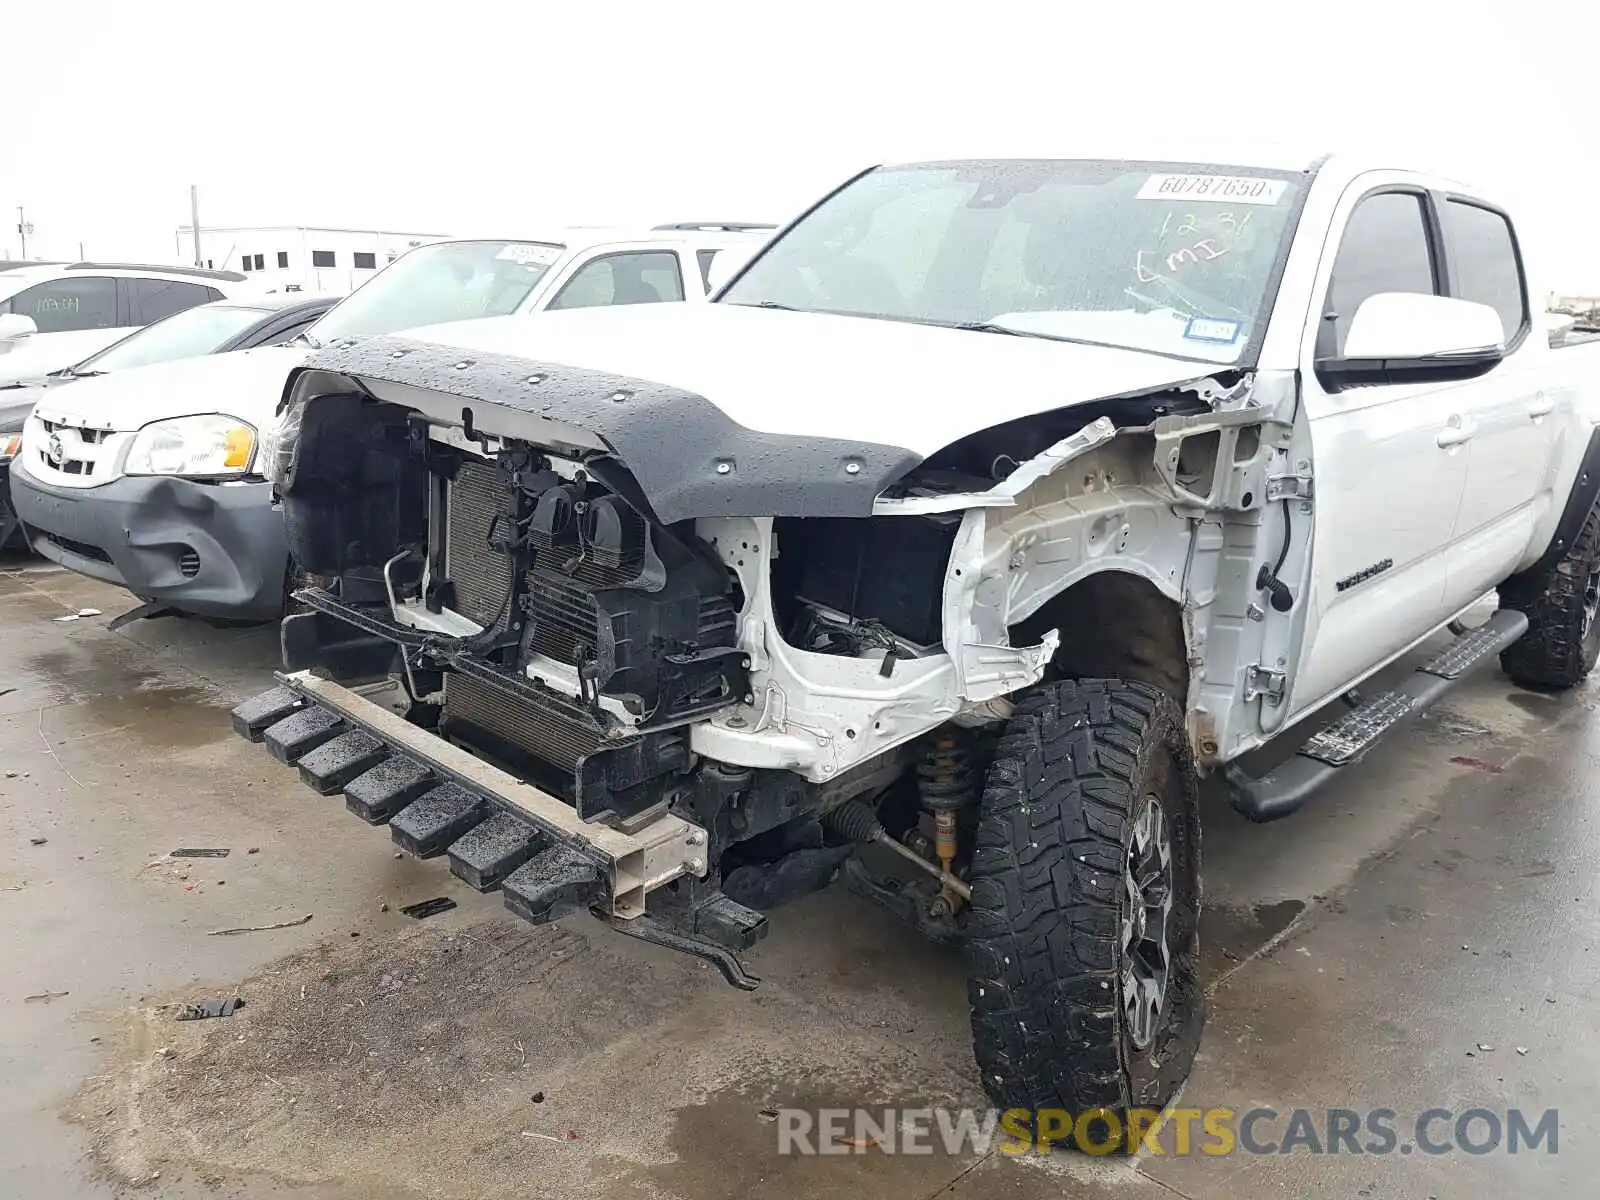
{"points": [[1212, 329], [525, 255], [1224, 189]]}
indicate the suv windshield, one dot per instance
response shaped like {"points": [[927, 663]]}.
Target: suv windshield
{"points": [[447, 281], [200, 330], [1169, 258]]}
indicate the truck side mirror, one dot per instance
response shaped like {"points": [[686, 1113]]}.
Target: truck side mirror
{"points": [[1402, 337], [15, 329]]}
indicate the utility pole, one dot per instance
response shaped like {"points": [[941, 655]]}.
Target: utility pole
{"points": [[23, 230], [194, 222]]}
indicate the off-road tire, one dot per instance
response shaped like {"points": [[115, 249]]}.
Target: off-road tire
{"points": [[1557, 652], [1071, 773]]}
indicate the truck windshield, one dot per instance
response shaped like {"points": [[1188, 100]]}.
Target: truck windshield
{"points": [[203, 329], [445, 281], [1169, 258]]}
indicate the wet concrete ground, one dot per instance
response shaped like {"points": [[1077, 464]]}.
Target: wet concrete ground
{"points": [[1358, 957]]}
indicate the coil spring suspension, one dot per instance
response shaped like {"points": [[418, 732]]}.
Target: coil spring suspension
{"points": [[945, 784]]}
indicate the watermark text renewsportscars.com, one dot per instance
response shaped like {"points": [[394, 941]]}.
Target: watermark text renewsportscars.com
{"points": [[1180, 1132]]}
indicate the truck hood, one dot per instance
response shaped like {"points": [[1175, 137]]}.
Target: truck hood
{"points": [[816, 375], [718, 410], [244, 384]]}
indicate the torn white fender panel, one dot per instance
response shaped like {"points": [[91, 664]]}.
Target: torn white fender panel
{"points": [[1003, 494]]}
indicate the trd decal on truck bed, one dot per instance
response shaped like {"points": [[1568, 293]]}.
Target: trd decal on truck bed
{"points": [[1366, 573]]}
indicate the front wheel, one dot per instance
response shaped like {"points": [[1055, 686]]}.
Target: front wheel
{"points": [[1083, 933]]}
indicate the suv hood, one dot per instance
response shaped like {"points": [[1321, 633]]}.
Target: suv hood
{"points": [[244, 384], [42, 353], [813, 375]]}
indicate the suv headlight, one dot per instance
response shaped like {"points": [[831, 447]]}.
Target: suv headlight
{"points": [[209, 445], [10, 444]]}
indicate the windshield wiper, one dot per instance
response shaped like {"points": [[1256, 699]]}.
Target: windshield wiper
{"points": [[307, 339], [992, 327]]}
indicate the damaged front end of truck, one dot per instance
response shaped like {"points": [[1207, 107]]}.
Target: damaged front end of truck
{"points": [[675, 671]]}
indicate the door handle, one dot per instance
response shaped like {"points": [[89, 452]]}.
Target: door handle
{"points": [[1457, 433], [1541, 406]]}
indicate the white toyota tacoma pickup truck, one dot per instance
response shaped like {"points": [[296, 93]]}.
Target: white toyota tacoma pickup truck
{"points": [[990, 507]]}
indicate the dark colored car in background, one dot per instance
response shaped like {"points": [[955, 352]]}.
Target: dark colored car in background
{"points": [[214, 328]]}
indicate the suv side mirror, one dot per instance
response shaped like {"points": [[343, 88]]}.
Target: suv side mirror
{"points": [[14, 330], [1402, 337], [730, 260]]}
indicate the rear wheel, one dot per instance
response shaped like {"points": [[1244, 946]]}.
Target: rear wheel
{"points": [[1562, 602], [1085, 902]]}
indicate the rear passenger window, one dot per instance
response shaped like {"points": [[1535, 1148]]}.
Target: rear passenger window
{"points": [[705, 258], [648, 277], [68, 305], [152, 299], [1384, 249], [1484, 265]]}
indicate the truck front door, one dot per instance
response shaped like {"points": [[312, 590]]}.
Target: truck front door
{"points": [[1390, 460]]}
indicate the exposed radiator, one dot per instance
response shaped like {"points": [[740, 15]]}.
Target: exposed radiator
{"points": [[481, 576], [558, 731]]}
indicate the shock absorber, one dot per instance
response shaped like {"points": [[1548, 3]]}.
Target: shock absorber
{"points": [[945, 784]]}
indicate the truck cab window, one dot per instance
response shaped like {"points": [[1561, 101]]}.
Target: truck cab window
{"points": [[648, 277], [1484, 265], [1384, 249]]}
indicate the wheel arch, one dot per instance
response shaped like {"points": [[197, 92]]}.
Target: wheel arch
{"points": [[1135, 630]]}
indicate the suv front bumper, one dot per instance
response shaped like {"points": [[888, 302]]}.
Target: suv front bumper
{"points": [[212, 549]]}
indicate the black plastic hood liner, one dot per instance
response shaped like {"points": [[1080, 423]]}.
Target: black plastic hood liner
{"points": [[690, 459]]}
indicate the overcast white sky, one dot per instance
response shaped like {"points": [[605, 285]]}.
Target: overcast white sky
{"points": [[478, 116]]}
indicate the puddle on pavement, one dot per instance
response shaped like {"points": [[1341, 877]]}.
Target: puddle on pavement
{"points": [[99, 691], [1228, 936]]}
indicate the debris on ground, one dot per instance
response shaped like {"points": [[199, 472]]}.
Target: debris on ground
{"points": [[570, 1136], [200, 852], [1485, 1047], [43, 997], [253, 850], [205, 1010], [37, 841], [537, 1097], [1522, 1050], [856, 1143], [259, 928], [767, 1114], [1477, 764], [423, 909], [77, 616]]}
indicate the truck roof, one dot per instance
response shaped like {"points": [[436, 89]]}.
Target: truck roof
{"points": [[1235, 154]]}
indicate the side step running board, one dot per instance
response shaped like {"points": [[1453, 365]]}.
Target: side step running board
{"points": [[1286, 788]]}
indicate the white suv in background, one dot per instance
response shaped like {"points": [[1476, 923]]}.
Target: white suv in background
{"points": [[55, 314], [151, 478]]}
